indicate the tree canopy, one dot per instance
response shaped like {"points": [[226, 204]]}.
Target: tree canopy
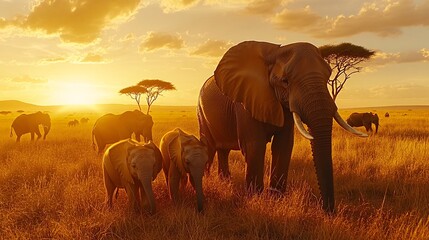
{"points": [[134, 92], [154, 88], [343, 59]]}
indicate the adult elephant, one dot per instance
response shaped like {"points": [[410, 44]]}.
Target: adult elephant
{"points": [[111, 128], [257, 92], [29, 123], [364, 119]]}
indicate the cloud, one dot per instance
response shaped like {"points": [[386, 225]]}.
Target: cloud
{"points": [[52, 60], [92, 58], [158, 40], [381, 20], [177, 5], [263, 7], [298, 20], [383, 58], [74, 21], [128, 38], [3, 23], [28, 79], [212, 48], [384, 19]]}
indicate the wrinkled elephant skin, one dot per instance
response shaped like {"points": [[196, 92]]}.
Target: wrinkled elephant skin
{"points": [[131, 165]]}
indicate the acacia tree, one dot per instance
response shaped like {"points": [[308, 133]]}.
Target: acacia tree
{"points": [[134, 92], [154, 88], [343, 60]]}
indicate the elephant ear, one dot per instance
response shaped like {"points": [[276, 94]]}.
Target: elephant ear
{"points": [[186, 138], [158, 159], [243, 75], [175, 149], [119, 154]]}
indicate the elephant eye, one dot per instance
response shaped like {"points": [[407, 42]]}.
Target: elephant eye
{"points": [[133, 165]]}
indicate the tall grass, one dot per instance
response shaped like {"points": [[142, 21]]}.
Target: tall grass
{"points": [[54, 188]]}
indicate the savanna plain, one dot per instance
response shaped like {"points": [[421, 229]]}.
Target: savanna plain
{"points": [[54, 188]]}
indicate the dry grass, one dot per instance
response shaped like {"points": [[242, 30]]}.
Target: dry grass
{"points": [[54, 189]]}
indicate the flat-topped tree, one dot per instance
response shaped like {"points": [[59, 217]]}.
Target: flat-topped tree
{"points": [[154, 88], [343, 59], [134, 92]]}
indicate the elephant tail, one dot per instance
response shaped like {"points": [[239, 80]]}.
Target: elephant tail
{"points": [[11, 134]]}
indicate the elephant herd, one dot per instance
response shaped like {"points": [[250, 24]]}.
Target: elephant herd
{"points": [[258, 93]]}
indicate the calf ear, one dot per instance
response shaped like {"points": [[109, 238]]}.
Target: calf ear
{"points": [[175, 152], [119, 157], [158, 159]]}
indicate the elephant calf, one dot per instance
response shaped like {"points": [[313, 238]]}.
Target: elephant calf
{"points": [[131, 165], [183, 154]]}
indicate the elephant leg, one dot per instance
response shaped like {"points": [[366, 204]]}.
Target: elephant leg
{"points": [[18, 138], [255, 154], [32, 136], [210, 153], [174, 177], [281, 149], [110, 189], [39, 135], [368, 128], [183, 182], [100, 144], [133, 197], [223, 166]]}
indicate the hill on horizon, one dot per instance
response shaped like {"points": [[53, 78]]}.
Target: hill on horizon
{"points": [[15, 105]]}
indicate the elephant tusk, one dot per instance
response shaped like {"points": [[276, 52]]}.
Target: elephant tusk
{"points": [[347, 127], [300, 126]]}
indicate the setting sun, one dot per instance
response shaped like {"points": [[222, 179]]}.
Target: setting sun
{"points": [[75, 93]]}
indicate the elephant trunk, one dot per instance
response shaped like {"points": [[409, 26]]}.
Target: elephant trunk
{"points": [[46, 129], [146, 181], [321, 146], [376, 127], [318, 114], [197, 181]]}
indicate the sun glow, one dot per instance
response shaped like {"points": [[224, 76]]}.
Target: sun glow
{"points": [[75, 93]]}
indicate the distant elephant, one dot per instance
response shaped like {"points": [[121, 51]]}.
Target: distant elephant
{"points": [[364, 119], [131, 165], [183, 154], [111, 128], [387, 114], [257, 92], [84, 120], [29, 123], [73, 123]]}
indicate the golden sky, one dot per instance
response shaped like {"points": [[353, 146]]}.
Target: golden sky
{"points": [[84, 51]]}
